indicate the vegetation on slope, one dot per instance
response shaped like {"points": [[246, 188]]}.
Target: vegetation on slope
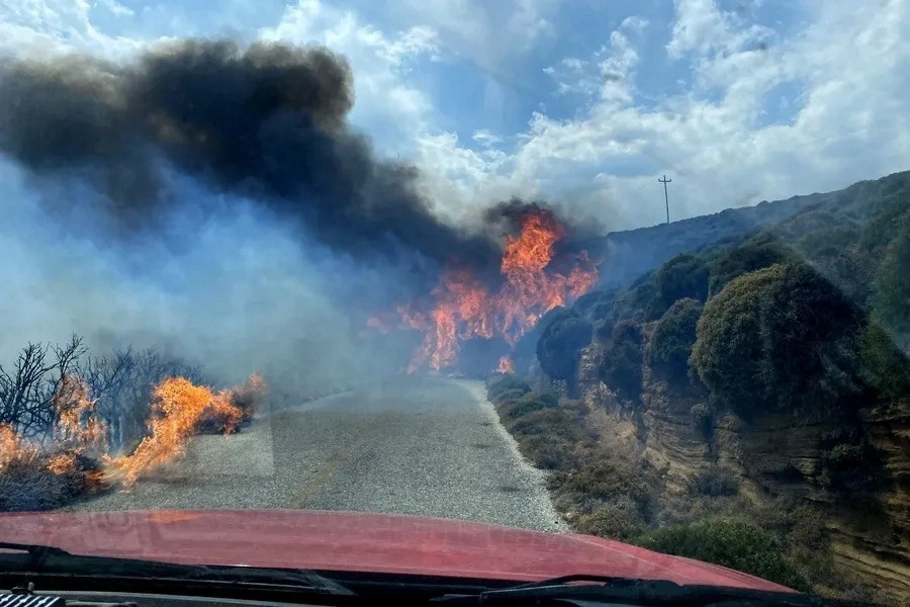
{"points": [[805, 319]]}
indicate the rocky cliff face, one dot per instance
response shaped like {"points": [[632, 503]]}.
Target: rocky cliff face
{"points": [[867, 512]]}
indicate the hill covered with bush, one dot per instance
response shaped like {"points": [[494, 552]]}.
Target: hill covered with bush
{"points": [[761, 381]]}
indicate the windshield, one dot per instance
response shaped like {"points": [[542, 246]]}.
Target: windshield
{"points": [[577, 287]]}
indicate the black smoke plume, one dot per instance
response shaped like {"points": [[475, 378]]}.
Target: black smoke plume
{"points": [[267, 123]]}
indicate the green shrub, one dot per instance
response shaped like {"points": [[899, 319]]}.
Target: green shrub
{"points": [[632, 303], [549, 452], [603, 329], [674, 335], [702, 418], [851, 467], [560, 345], [499, 386], [509, 397], [682, 277], [595, 305], [892, 288], [529, 403], [731, 543], [611, 481], [749, 257], [567, 425], [621, 367], [884, 366], [778, 339], [611, 522]]}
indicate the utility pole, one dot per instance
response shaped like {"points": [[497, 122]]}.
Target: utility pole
{"points": [[665, 181]]}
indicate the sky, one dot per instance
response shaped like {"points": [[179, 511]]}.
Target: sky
{"points": [[582, 102]]}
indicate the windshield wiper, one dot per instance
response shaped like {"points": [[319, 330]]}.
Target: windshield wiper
{"points": [[51, 561], [631, 591]]}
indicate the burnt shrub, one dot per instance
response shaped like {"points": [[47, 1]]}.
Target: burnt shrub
{"points": [[30, 486]]}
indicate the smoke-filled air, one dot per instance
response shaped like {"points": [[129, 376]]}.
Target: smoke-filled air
{"points": [[204, 213], [202, 216], [212, 201]]}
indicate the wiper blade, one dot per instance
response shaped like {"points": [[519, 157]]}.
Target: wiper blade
{"points": [[632, 591], [50, 560]]}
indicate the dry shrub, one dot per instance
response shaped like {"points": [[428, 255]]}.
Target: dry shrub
{"points": [[250, 396], [612, 522]]}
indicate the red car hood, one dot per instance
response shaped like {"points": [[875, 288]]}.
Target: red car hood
{"points": [[341, 541]]}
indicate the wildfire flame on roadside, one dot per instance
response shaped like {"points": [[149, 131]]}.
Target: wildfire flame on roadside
{"points": [[505, 365], [463, 307], [179, 409]]}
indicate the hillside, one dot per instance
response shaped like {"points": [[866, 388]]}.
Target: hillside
{"points": [[750, 392], [634, 252]]}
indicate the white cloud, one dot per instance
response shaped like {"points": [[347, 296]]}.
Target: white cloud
{"points": [[609, 72], [851, 120], [486, 138], [747, 112], [705, 29], [36, 27], [487, 33], [385, 104]]}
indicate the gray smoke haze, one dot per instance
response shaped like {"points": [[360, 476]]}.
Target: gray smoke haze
{"points": [[212, 201], [267, 123]]}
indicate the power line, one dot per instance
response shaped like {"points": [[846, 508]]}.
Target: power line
{"points": [[665, 181]]}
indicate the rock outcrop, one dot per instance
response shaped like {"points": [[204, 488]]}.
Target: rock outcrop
{"points": [[778, 456]]}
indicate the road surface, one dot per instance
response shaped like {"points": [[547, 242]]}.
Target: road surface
{"points": [[424, 446]]}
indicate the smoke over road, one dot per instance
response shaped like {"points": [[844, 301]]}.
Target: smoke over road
{"points": [[267, 123], [213, 200]]}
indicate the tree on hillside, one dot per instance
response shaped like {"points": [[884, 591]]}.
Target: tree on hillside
{"points": [[891, 298], [778, 339], [758, 253], [886, 340], [671, 343], [684, 276], [560, 345], [632, 303], [621, 367]]}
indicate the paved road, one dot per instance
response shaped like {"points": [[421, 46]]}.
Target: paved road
{"points": [[412, 446]]}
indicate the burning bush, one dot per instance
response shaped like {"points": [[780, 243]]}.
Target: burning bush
{"points": [[531, 282], [35, 479], [37, 474], [244, 401], [180, 408]]}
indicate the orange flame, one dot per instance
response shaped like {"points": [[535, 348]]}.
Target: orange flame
{"points": [[14, 449], [505, 365], [62, 463], [178, 409], [77, 427], [464, 308]]}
